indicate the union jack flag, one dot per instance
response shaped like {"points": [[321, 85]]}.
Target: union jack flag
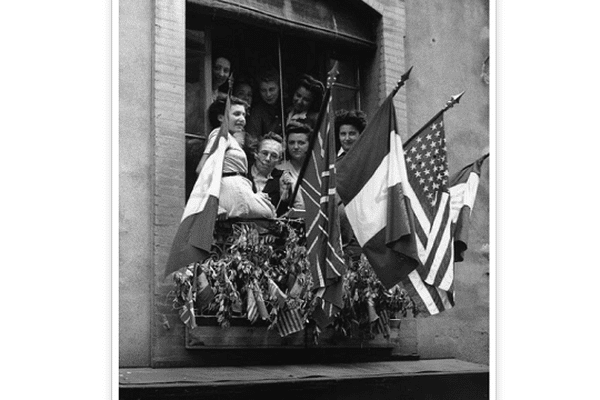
{"points": [[324, 245]]}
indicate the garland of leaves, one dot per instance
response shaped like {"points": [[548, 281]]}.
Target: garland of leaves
{"points": [[245, 259]]}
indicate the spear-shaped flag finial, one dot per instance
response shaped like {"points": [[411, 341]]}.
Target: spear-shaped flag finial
{"points": [[400, 83], [332, 75], [454, 100], [449, 104]]}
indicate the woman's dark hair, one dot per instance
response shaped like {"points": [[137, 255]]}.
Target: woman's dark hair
{"points": [[218, 108], [224, 88], [315, 87], [298, 127], [356, 118]]}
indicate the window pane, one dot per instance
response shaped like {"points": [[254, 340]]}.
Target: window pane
{"points": [[347, 71], [343, 98]]}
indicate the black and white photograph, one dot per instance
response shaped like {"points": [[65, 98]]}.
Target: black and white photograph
{"points": [[381, 199], [304, 199]]}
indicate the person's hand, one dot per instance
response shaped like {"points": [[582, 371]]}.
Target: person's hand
{"points": [[286, 179]]}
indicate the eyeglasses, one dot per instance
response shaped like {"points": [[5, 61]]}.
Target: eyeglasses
{"points": [[266, 154]]}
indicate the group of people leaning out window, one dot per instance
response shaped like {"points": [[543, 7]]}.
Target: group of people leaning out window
{"points": [[258, 181], [270, 106]]}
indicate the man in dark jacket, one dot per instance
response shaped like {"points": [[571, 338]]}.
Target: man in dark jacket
{"points": [[265, 177]]}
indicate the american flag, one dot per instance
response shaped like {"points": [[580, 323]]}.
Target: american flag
{"points": [[427, 172], [324, 245], [289, 320]]}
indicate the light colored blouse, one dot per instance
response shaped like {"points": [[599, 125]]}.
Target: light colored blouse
{"points": [[235, 159]]}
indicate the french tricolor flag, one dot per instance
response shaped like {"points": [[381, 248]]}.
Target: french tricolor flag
{"points": [[372, 183]]}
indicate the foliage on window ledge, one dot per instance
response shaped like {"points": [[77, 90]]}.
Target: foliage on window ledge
{"points": [[264, 274]]}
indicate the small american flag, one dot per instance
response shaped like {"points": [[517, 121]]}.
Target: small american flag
{"points": [[289, 321], [276, 294], [252, 308]]}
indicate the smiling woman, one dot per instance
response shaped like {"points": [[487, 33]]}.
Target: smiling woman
{"points": [[236, 198]]}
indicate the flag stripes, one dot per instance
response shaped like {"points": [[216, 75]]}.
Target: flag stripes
{"points": [[252, 307], [323, 237], [433, 291], [289, 321]]}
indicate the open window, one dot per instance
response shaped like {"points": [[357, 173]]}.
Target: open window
{"points": [[307, 41], [255, 44]]}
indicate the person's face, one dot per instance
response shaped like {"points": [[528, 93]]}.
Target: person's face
{"points": [[348, 135], [297, 145], [302, 99], [268, 155], [237, 118], [269, 92], [220, 71], [244, 92]]}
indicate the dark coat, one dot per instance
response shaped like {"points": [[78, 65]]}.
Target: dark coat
{"points": [[272, 189]]}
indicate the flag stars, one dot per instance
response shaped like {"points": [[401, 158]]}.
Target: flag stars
{"points": [[419, 139], [423, 146]]}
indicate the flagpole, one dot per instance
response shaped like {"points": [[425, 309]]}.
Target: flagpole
{"points": [[449, 104], [331, 77], [400, 83], [281, 96]]}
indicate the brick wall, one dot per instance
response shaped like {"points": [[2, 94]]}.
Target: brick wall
{"points": [[384, 71], [169, 155]]}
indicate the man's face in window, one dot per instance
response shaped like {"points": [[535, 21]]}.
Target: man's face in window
{"points": [[268, 155], [269, 92]]}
